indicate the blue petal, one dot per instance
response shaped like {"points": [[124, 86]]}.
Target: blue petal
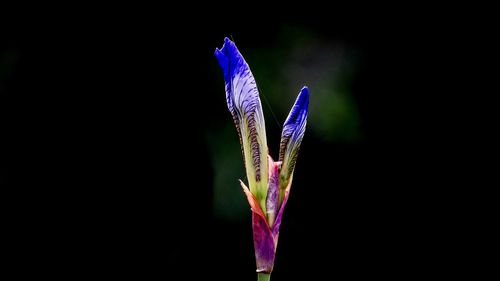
{"points": [[241, 90], [223, 55], [291, 137], [243, 101]]}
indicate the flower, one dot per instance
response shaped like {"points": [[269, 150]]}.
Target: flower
{"points": [[269, 181]]}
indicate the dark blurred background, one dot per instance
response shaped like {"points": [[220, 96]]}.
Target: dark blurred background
{"points": [[124, 159]]}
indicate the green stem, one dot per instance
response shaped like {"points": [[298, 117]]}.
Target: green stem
{"points": [[264, 276]]}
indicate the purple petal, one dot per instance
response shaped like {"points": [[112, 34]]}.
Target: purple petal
{"points": [[244, 104], [264, 244], [263, 239], [273, 191], [277, 223]]}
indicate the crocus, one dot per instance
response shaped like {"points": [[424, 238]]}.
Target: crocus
{"points": [[269, 181]]}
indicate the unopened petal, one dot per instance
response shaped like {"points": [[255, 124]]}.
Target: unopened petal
{"points": [[291, 138], [243, 101]]}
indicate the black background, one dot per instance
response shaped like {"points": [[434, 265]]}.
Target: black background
{"points": [[102, 120]]}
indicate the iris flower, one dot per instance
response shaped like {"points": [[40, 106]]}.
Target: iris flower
{"points": [[269, 181]]}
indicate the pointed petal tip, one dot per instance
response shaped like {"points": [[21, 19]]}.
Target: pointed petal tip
{"points": [[304, 94], [300, 108], [223, 54], [243, 185], [227, 44], [222, 59]]}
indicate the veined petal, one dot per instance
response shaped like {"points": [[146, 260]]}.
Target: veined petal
{"points": [[291, 137], [244, 104]]}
